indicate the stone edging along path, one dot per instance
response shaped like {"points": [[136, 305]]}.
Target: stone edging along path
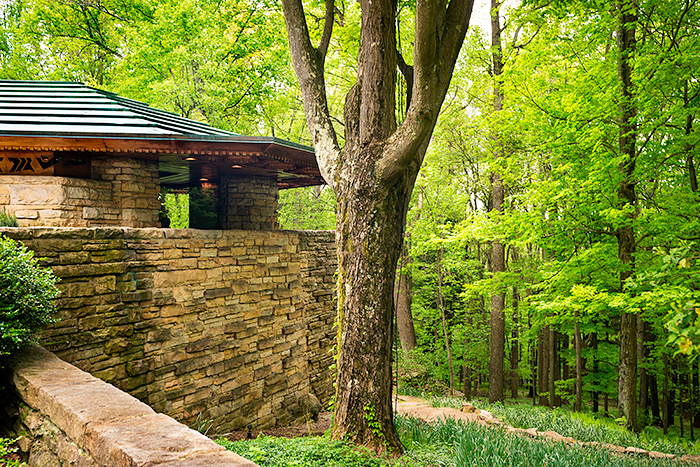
{"points": [[417, 407]]}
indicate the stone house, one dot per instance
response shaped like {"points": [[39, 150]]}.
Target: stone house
{"points": [[72, 155], [232, 324]]}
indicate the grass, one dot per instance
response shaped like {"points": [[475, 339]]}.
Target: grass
{"points": [[445, 444], [586, 427]]}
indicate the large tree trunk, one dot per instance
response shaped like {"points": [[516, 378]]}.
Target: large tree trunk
{"points": [[498, 259], [373, 177], [627, 389]]}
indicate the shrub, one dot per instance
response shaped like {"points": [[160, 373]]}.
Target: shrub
{"points": [[26, 294], [7, 219]]}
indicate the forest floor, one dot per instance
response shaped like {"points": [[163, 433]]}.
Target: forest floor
{"points": [[421, 409]]}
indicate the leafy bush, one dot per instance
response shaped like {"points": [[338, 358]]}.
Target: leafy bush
{"points": [[26, 294], [7, 219]]}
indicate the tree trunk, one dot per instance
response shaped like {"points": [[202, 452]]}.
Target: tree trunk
{"points": [[627, 392], [373, 177], [579, 364], [643, 375], [666, 399], [691, 405], [514, 350], [595, 395], [497, 341], [404, 297], [543, 365], [552, 347], [444, 323], [654, 398]]}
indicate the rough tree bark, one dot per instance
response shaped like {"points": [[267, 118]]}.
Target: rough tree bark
{"points": [[498, 258], [627, 388], [404, 298], [373, 177]]}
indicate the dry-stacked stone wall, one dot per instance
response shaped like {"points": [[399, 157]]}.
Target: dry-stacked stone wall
{"points": [[232, 325], [318, 280]]}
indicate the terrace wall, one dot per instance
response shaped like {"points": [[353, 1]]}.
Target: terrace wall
{"points": [[232, 325]]}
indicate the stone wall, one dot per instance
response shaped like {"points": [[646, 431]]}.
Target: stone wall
{"points": [[218, 323], [66, 417], [319, 281], [122, 192]]}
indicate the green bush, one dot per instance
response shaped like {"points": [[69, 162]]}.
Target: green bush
{"points": [[26, 295], [7, 219]]}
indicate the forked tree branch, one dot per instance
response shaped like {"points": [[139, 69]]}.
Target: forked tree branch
{"points": [[440, 32]]}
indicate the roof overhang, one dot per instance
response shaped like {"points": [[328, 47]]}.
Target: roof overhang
{"points": [[293, 165]]}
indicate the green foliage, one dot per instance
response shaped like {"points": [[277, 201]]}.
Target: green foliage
{"points": [[302, 452], [177, 209], [7, 219], [203, 205], [6, 450], [26, 295], [309, 208]]}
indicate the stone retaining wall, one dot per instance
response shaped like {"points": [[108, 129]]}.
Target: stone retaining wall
{"points": [[66, 417], [232, 325]]}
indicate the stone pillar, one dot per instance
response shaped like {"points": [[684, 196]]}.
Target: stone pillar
{"points": [[135, 188], [248, 203]]}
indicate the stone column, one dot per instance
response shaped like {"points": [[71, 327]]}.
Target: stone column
{"points": [[248, 203], [135, 188]]}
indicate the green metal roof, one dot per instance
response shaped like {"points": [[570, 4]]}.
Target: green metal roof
{"points": [[53, 108]]}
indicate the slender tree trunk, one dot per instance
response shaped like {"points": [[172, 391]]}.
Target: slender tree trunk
{"points": [[444, 323], [514, 349], [666, 399], [579, 364], [681, 387], [543, 365], [497, 341], [552, 347], [643, 374], [691, 405], [404, 298], [595, 395], [654, 398], [627, 392]]}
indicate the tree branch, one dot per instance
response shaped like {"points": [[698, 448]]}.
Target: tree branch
{"points": [[327, 29], [438, 39], [308, 65]]}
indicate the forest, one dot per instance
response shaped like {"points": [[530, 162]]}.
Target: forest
{"points": [[552, 245]]}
